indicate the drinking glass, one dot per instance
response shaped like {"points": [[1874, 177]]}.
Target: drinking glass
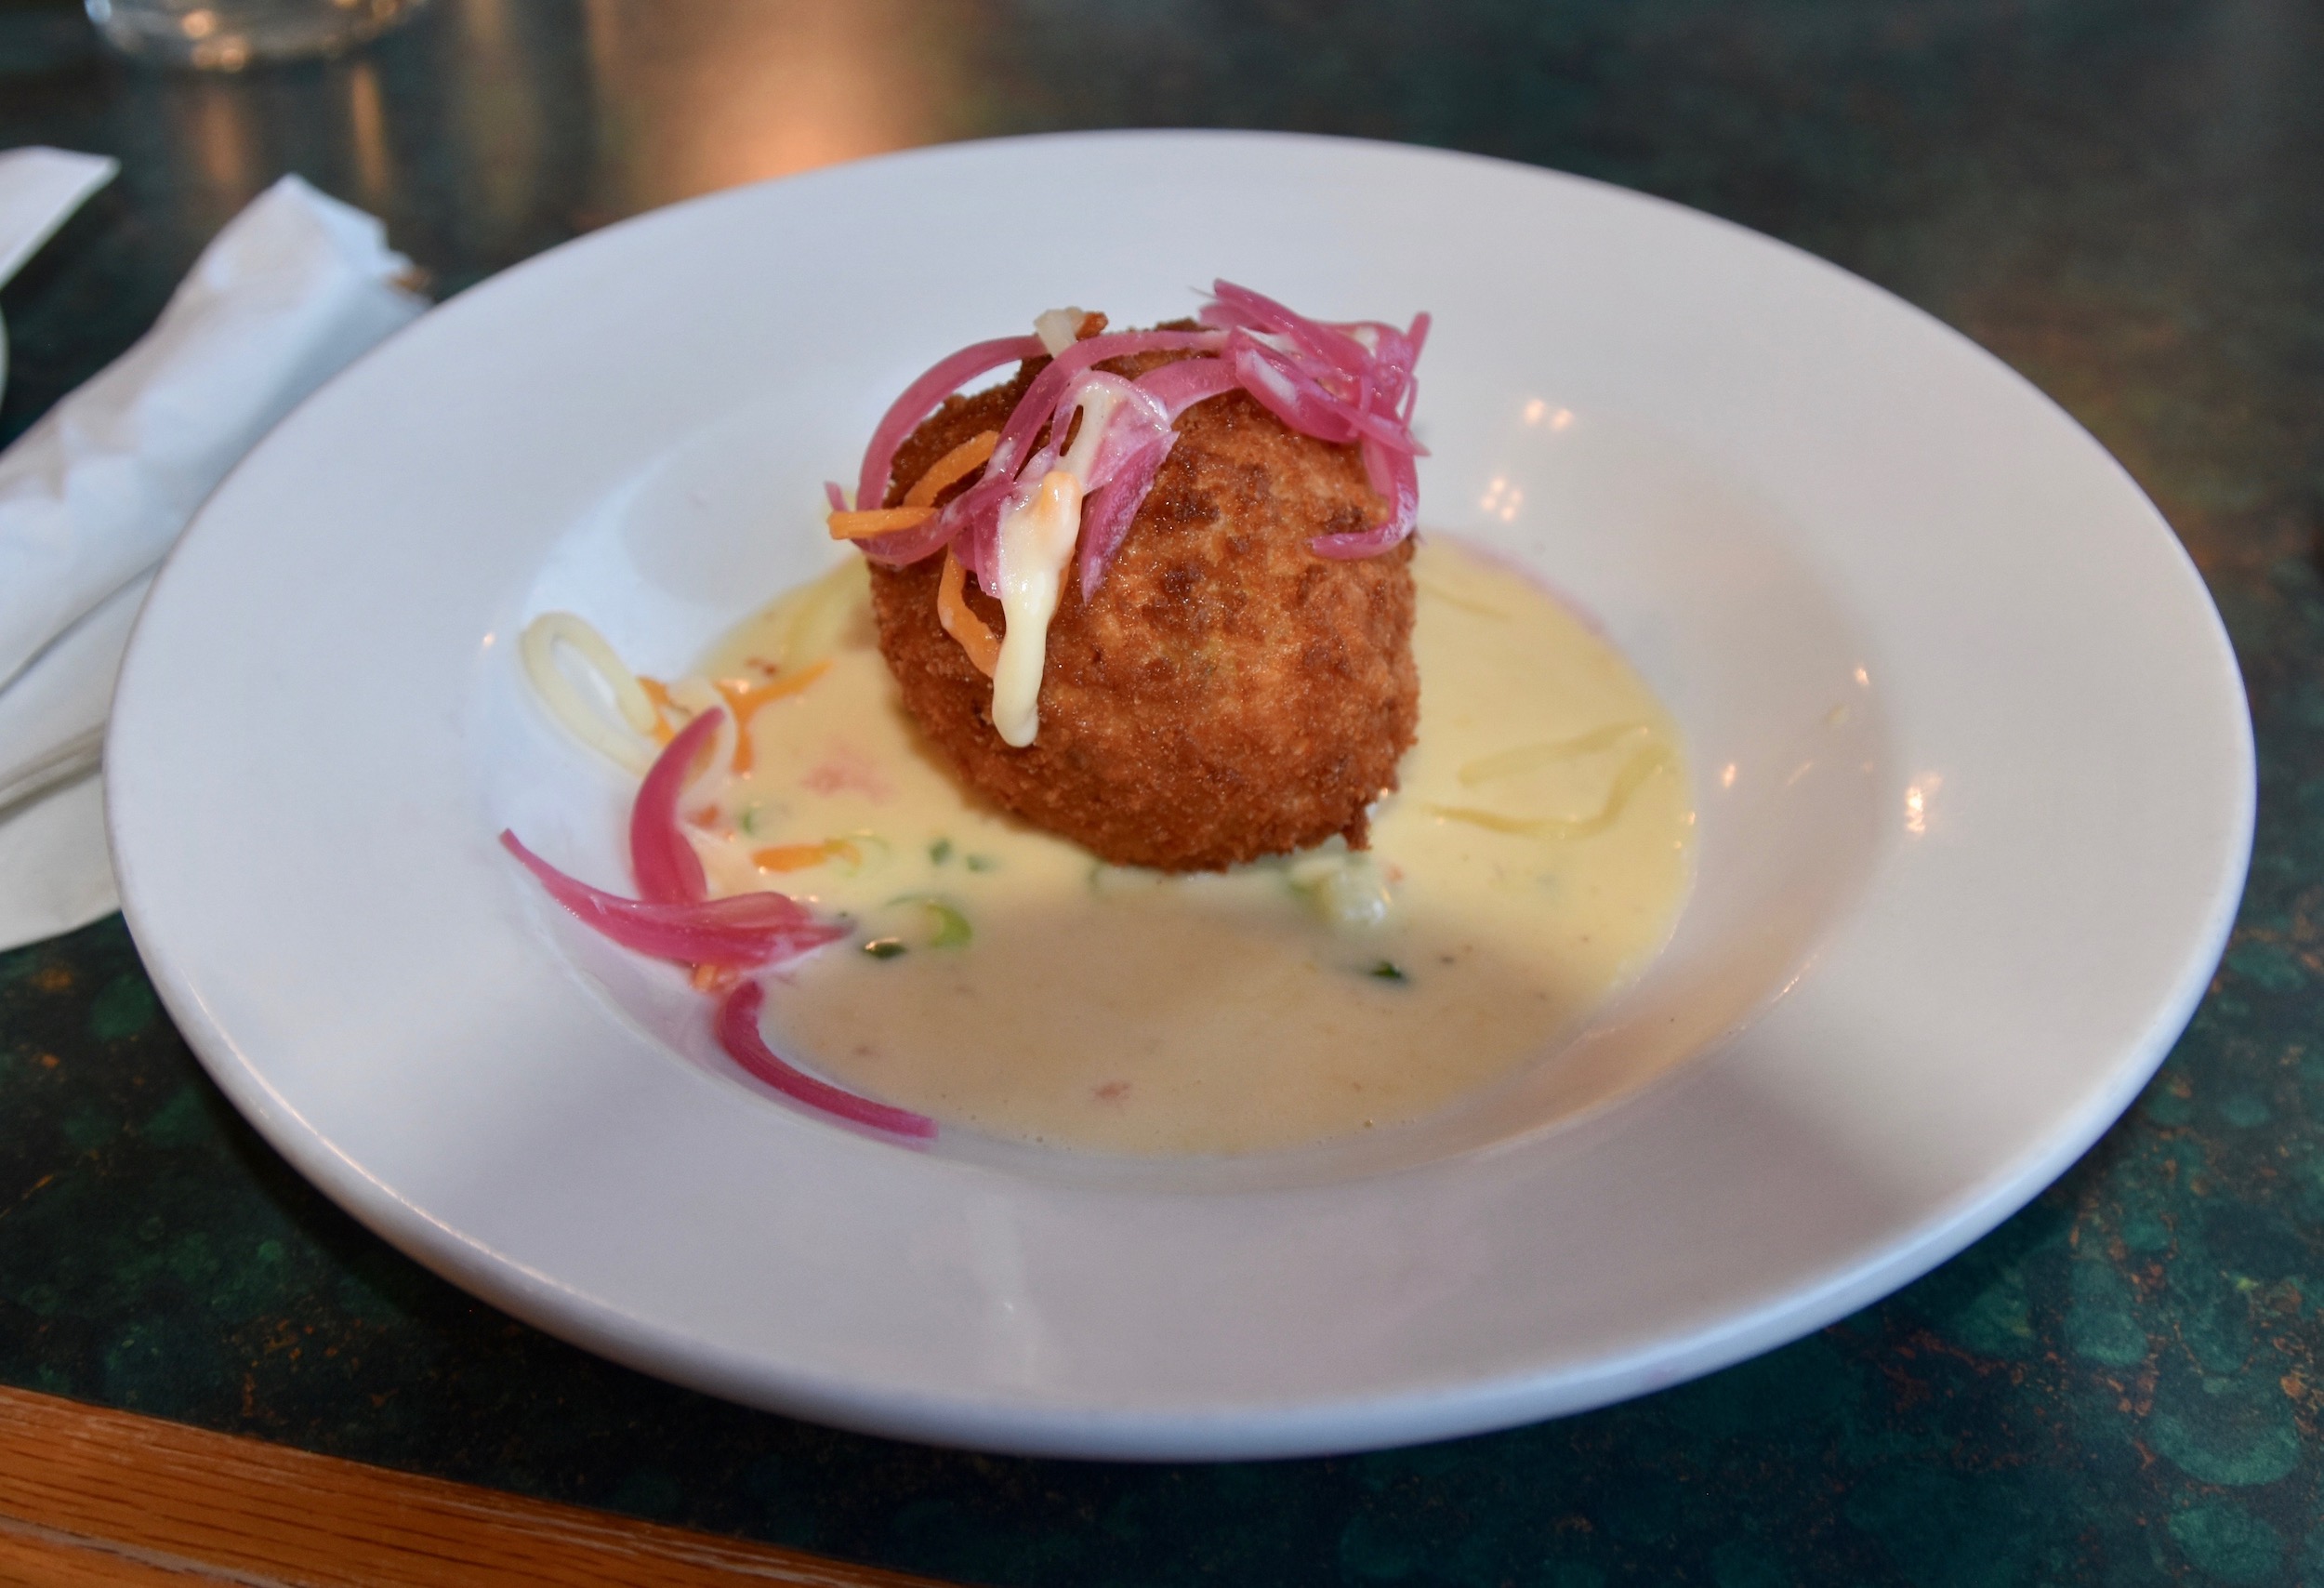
{"points": [[227, 35]]}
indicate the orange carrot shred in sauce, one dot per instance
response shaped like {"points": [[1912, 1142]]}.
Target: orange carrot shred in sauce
{"points": [[799, 856], [879, 521], [973, 453], [743, 699], [960, 623], [658, 693]]}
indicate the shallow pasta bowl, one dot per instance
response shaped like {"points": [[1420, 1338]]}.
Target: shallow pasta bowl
{"points": [[1971, 756]]}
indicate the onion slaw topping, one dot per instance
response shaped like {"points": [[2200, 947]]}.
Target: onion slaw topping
{"points": [[1345, 384]]}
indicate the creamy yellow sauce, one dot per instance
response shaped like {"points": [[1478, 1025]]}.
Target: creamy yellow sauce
{"points": [[1003, 980]]}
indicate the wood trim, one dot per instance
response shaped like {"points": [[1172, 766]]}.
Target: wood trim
{"points": [[91, 1497]]}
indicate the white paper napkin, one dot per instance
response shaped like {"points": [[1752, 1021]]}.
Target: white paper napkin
{"points": [[39, 189], [93, 496]]}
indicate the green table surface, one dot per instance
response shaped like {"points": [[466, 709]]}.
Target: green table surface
{"points": [[2124, 199]]}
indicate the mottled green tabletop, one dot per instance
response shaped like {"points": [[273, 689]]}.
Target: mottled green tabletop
{"points": [[2124, 199]]}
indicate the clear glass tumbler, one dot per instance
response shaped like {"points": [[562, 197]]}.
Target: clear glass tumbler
{"points": [[227, 35]]}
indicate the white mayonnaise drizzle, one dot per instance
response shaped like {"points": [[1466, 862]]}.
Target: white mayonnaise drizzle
{"points": [[1037, 536], [1037, 541], [1098, 404]]}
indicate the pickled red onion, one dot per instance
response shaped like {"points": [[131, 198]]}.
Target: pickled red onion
{"points": [[1179, 386], [1343, 384], [739, 1035], [1394, 477], [1048, 385], [1277, 384], [667, 869], [746, 930], [1106, 516], [921, 398]]}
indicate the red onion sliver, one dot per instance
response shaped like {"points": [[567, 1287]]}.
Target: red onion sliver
{"points": [[923, 395], [1402, 491], [668, 871], [1050, 385], [1339, 383], [739, 1035], [979, 545], [1106, 516], [1331, 343], [920, 398], [745, 930], [1136, 422], [837, 497], [981, 500], [1179, 386], [1281, 389]]}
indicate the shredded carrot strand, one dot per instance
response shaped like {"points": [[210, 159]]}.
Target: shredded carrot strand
{"points": [[799, 856], [960, 623], [715, 978], [658, 693], [879, 521], [743, 699], [794, 684], [973, 453]]}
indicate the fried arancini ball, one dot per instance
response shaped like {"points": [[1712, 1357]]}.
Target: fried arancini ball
{"points": [[1226, 694]]}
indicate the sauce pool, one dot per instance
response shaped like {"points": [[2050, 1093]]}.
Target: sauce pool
{"points": [[1001, 979]]}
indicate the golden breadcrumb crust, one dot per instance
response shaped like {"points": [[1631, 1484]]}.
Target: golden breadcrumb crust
{"points": [[1227, 693]]}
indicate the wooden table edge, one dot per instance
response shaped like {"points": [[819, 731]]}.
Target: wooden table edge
{"points": [[94, 1496]]}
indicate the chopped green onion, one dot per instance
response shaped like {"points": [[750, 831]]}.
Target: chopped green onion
{"points": [[860, 861], [949, 928], [940, 851], [749, 820], [1388, 970]]}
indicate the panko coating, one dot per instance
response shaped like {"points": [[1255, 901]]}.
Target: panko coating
{"points": [[1226, 694]]}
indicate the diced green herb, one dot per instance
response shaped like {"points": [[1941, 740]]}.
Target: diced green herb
{"points": [[1388, 970], [940, 851], [980, 863], [884, 948], [749, 820]]}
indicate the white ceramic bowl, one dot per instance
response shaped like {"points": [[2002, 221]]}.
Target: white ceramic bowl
{"points": [[1971, 751]]}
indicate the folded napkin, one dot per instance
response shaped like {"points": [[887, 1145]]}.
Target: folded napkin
{"points": [[93, 496], [39, 189]]}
